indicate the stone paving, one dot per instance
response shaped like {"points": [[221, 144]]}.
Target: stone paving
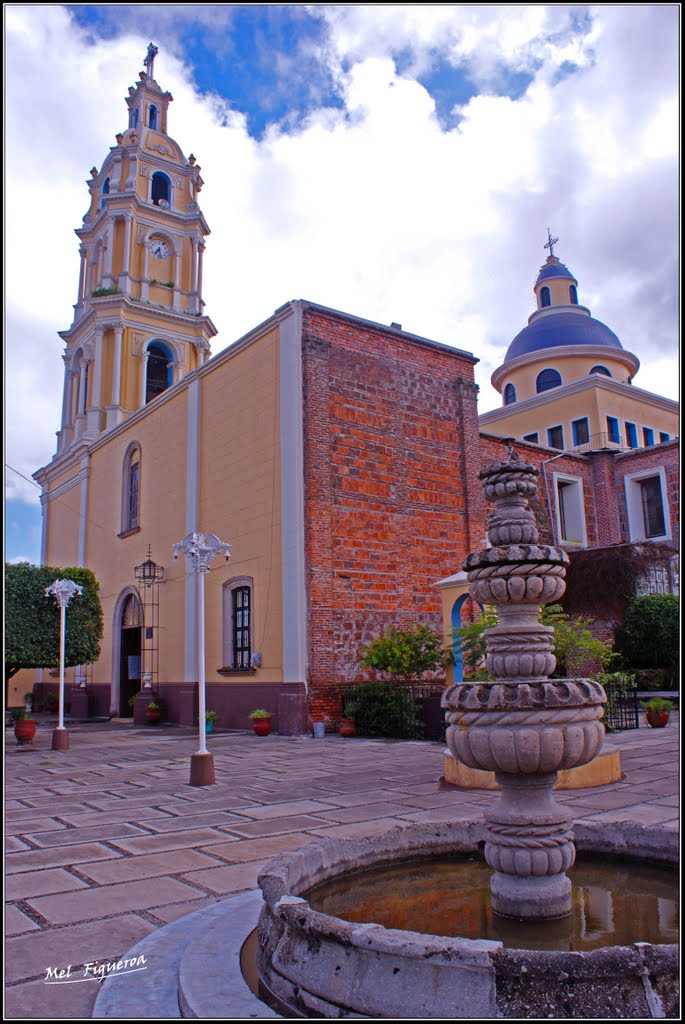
{"points": [[108, 842]]}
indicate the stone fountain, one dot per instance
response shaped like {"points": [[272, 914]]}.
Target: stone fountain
{"points": [[524, 726]]}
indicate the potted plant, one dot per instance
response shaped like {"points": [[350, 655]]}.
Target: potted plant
{"points": [[52, 700], [658, 710], [348, 723], [261, 721], [211, 718], [28, 701], [153, 712], [24, 725]]}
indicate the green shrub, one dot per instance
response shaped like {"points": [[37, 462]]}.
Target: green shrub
{"points": [[650, 634], [404, 654]]}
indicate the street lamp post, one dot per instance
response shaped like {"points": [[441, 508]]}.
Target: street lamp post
{"points": [[201, 549], [62, 591]]}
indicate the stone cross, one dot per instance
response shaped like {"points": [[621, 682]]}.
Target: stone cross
{"points": [[550, 243], [149, 61]]}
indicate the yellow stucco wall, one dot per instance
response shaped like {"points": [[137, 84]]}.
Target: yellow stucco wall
{"points": [[239, 500], [570, 367], [240, 495], [595, 403], [162, 440]]}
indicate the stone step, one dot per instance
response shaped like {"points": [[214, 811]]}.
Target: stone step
{"points": [[192, 969]]}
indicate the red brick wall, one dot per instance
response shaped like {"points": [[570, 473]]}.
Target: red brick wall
{"points": [[642, 459], [390, 450], [494, 449]]}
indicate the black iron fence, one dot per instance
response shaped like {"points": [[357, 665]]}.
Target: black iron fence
{"points": [[396, 711], [621, 709]]}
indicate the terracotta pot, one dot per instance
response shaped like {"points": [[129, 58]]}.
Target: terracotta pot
{"points": [[24, 730], [261, 726], [152, 715], [657, 719], [348, 727]]}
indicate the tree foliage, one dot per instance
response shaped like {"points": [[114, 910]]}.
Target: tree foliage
{"points": [[32, 620], [575, 647], [651, 632], [404, 654]]}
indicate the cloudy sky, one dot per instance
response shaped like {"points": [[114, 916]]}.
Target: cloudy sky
{"points": [[401, 163]]}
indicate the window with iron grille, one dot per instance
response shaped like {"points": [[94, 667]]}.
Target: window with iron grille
{"points": [[238, 617], [241, 627]]}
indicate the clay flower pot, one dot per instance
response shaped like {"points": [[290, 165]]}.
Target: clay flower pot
{"points": [[261, 726], [25, 729], [347, 727], [657, 719], [152, 714]]}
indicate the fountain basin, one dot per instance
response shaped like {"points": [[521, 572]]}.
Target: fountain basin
{"points": [[313, 964]]}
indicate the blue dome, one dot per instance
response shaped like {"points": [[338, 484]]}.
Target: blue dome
{"points": [[554, 270], [558, 329]]}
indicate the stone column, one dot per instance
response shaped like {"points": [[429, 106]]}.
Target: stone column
{"points": [[200, 254], [125, 275], [143, 378]]}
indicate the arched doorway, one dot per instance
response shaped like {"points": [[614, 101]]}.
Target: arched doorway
{"points": [[130, 652], [463, 602]]}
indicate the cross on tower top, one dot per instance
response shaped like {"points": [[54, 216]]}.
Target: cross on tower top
{"points": [[149, 61], [551, 242]]}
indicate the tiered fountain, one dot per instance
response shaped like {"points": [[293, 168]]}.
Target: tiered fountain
{"points": [[525, 727]]}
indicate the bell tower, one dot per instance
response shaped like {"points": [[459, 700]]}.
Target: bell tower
{"points": [[139, 325]]}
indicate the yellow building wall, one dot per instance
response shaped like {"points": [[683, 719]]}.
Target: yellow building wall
{"points": [[240, 502], [570, 367], [240, 497], [63, 527], [107, 367], [162, 440], [559, 289], [596, 404], [19, 685]]}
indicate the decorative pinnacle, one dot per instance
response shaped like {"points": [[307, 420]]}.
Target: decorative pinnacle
{"points": [[551, 242], [149, 61]]}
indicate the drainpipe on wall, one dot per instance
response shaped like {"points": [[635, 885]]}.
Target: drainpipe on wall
{"points": [[552, 519]]}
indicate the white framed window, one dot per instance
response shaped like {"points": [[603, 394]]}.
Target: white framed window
{"points": [[238, 620], [647, 505], [130, 490], [570, 510]]}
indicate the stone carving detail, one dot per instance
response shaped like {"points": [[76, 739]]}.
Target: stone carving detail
{"points": [[523, 726]]}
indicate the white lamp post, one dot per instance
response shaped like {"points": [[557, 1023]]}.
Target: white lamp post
{"points": [[62, 591], [202, 549]]}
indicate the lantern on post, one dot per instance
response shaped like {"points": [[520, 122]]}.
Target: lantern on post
{"points": [[62, 591], [201, 549]]}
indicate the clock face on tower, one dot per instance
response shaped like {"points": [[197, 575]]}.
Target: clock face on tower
{"points": [[158, 249]]}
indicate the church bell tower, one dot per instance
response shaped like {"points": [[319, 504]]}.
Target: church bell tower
{"points": [[139, 325]]}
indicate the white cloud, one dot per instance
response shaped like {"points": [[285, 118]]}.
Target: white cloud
{"points": [[373, 208]]}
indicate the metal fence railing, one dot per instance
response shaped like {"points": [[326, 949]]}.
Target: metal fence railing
{"points": [[396, 711], [621, 709]]}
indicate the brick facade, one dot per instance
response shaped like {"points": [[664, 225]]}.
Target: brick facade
{"points": [[390, 466]]}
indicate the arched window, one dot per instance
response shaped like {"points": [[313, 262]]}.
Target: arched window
{"points": [[161, 189], [238, 623], [130, 496], [509, 394], [105, 192], [160, 370], [545, 297], [547, 379], [135, 118], [152, 116], [573, 294], [601, 369]]}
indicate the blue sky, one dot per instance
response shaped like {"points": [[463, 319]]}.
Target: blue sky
{"points": [[399, 162]]}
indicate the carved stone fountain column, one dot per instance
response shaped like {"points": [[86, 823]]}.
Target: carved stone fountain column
{"points": [[523, 726]]}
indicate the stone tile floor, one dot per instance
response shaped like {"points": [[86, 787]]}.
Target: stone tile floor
{"points": [[107, 842]]}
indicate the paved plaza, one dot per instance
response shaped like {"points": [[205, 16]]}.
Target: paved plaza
{"points": [[107, 843]]}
